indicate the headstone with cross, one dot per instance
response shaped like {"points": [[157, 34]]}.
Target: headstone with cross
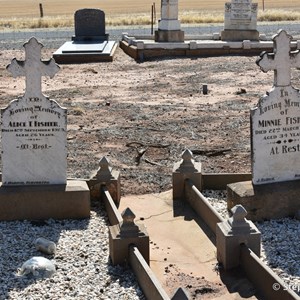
{"points": [[276, 119], [274, 189], [34, 148]]}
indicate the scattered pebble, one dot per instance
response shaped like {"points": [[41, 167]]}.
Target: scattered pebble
{"points": [[280, 241], [83, 269]]}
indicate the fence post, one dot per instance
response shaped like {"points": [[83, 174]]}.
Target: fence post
{"points": [[107, 176], [41, 10], [233, 232], [127, 233], [187, 168]]}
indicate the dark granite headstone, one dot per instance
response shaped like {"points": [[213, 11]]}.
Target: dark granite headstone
{"points": [[89, 25]]}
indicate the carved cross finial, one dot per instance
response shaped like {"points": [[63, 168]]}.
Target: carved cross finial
{"points": [[281, 61], [33, 68]]}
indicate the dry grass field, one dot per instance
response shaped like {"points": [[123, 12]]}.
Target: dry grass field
{"points": [[57, 13], [30, 8]]}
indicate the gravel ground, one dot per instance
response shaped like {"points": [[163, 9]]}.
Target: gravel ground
{"points": [[81, 259], [280, 242]]}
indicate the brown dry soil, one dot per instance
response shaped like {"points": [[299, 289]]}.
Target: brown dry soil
{"points": [[142, 116]]}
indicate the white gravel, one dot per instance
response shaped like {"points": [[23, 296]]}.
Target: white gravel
{"points": [[81, 259], [280, 242]]}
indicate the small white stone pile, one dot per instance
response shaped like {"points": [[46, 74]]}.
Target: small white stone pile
{"points": [[280, 242], [82, 263]]}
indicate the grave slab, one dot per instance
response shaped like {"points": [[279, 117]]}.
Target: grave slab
{"points": [[84, 52], [90, 43], [34, 150]]}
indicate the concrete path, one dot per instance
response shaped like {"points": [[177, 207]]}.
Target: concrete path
{"points": [[182, 250]]}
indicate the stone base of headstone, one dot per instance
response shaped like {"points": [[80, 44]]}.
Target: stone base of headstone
{"points": [[239, 35], [90, 38], [70, 201], [162, 36], [267, 201]]}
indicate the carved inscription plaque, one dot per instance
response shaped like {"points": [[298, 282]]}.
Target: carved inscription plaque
{"points": [[275, 130], [34, 142]]}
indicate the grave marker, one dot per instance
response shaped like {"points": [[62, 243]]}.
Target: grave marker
{"points": [[169, 25], [89, 25], [34, 149], [276, 119], [240, 21], [275, 140], [90, 43]]}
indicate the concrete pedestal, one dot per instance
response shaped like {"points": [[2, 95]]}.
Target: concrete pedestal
{"points": [[70, 201], [267, 201], [162, 36], [239, 35]]}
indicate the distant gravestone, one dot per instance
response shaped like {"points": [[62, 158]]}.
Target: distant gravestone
{"points": [[276, 119], [275, 140], [169, 25], [90, 43], [89, 25], [33, 127], [240, 21], [34, 150]]}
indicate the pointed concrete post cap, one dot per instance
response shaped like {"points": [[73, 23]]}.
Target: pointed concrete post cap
{"points": [[181, 294], [239, 213], [128, 215], [187, 163], [238, 221], [105, 169], [104, 164], [187, 155]]}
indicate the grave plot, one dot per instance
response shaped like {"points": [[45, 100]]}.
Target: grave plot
{"points": [[96, 126], [90, 43], [34, 150], [239, 37], [275, 141]]}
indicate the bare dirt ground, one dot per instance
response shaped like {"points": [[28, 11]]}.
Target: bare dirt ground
{"points": [[124, 109], [142, 116]]}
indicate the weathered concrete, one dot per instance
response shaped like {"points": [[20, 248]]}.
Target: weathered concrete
{"points": [[239, 35], [187, 168], [127, 233], [169, 36], [70, 201], [108, 177], [169, 225], [268, 201], [233, 232]]}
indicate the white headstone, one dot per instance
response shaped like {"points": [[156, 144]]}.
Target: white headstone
{"points": [[169, 15], [34, 128], [240, 15], [275, 122]]}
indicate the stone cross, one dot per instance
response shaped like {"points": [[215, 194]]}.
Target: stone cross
{"points": [[281, 61], [33, 68]]}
